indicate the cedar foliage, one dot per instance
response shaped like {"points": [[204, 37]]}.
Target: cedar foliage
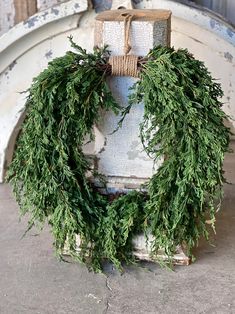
{"points": [[183, 121]]}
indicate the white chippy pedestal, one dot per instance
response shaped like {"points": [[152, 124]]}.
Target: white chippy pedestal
{"points": [[120, 156]]}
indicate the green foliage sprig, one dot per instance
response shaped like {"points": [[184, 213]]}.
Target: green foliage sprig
{"points": [[183, 121]]}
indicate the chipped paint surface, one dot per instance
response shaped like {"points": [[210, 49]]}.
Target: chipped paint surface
{"points": [[11, 66], [32, 21], [56, 11], [228, 56], [45, 4], [39, 20], [49, 54]]}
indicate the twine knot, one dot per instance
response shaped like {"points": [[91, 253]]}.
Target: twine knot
{"points": [[127, 25], [125, 65]]}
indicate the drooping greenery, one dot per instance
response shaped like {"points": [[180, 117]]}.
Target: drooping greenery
{"points": [[49, 169], [183, 121]]}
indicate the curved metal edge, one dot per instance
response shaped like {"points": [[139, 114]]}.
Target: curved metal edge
{"points": [[202, 17], [40, 19]]}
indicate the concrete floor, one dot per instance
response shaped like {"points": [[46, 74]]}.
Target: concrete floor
{"points": [[33, 281]]}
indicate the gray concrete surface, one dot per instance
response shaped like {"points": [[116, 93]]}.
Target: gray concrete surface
{"points": [[33, 281]]}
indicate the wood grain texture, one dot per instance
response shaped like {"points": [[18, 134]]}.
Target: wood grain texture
{"points": [[138, 15], [24, 9]]}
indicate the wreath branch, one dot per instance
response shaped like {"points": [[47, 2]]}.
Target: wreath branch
{"points": [[182, 120]]}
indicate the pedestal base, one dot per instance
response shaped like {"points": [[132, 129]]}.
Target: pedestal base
{"points": [[142, 252]]}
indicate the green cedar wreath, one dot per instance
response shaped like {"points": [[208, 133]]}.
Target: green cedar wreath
{"points": [[183, 121]]}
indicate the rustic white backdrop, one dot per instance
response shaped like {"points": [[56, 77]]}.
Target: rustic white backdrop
{"points": [[14, 11]]}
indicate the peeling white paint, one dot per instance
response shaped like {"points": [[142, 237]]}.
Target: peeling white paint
{"points": [[40, 23]]}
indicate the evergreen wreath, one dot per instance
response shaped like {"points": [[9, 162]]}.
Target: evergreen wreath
{"points": [[183, 121]]}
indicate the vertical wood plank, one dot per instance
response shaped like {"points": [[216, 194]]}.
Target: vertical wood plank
{"points": [[24, 9]]}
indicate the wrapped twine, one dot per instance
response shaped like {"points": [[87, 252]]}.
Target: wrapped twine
{"points": [[125, 65]]}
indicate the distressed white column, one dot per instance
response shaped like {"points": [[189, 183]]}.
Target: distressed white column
{"points": [[122, 158]]}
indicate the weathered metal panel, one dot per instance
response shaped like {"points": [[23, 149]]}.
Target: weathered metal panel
{"points": [[15, 11]]}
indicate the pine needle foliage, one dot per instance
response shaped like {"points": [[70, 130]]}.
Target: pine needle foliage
{"points": [[183, 121]]}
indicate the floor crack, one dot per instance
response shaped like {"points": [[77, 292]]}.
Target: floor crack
{"points": [[107, 284], [110, 295]]}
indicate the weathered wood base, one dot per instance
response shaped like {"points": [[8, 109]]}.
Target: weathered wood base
{"points": [[142, 252], [180, 258]]}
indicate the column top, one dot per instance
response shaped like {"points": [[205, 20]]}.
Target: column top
{"points": [[138, 15]]}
